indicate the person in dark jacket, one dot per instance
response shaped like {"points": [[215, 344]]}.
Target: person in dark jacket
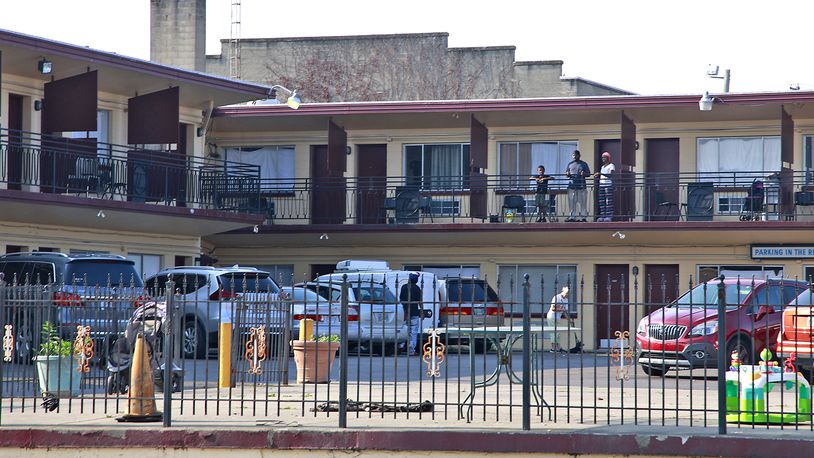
{"points": [[411, 299]]}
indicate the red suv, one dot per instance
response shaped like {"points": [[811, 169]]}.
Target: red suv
{"points": [[684, 334]]}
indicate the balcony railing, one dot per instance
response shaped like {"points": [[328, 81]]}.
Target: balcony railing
{"points": [[86, 167], [724, 196]]}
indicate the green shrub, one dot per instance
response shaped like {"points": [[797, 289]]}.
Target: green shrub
{"points": [[329, 338], [52, 344]]}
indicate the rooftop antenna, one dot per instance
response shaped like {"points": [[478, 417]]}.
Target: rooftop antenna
{"points": [[234, 42]]}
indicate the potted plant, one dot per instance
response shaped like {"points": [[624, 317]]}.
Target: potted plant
{"points": [[314, 358], [55, 367]]}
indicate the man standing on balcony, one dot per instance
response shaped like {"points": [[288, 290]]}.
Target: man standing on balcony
{"points": [[411, 299], [541, 197], [606, 188], [576, 171]]}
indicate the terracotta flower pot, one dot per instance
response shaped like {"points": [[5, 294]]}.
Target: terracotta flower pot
{"points": [[314, 360]]}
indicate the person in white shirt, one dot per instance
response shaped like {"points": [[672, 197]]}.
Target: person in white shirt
{"points": [[606, 175], [557, 316]]}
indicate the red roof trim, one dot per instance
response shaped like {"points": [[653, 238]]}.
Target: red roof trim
{"points": [[607, 102]]}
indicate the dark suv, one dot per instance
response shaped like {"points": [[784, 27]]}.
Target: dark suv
{"points": [[96, 290]]}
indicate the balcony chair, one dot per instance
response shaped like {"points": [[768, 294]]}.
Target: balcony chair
{"points": [[85, 176], [513, 202]]}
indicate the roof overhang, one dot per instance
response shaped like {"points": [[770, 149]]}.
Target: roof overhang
{"points": [[120, 74], [71, 211], [514, 112]]}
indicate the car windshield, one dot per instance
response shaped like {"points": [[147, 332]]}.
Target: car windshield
{"points": [[298, 294], [374, 294], [102, 272], [706, 295], [248, 283], [470, 291], [806, 298]]}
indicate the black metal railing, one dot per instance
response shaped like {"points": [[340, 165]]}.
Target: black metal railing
{"points": [[86, 167], [750, 195], [593, 361]]}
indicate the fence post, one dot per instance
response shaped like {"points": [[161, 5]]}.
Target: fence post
{"points": [[169, 351], [10, 321], [721, 356], [526, 355], [343, 356]]}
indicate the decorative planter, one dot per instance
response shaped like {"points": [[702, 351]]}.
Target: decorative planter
{"points": [[314, 360], [58, 375]]}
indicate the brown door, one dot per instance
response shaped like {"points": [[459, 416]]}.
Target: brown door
{"points": [[661, 179], [321, 269], [371, 163], [661, 286], [15, 141], [611, 300], [327, 189], [623, 183]]}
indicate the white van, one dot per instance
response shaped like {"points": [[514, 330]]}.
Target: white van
{"points": [[374, 288]]}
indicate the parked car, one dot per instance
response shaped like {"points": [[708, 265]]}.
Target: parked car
{"points": [[306, 303], [249, 296], [377, 322], [683, 334], [470, 302], [96, 290], [796, 334]]}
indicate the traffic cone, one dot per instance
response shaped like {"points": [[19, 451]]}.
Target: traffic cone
{"points": [[141, 397]]}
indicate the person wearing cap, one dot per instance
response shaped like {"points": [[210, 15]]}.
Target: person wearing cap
{"points": [[605, 197], [577, 170], [557, 316], [411, 299]]}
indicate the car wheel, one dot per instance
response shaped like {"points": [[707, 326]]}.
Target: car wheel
{"points": [[481, 345], [655, 371], [193, 343], [743, 346], [24, 345]]}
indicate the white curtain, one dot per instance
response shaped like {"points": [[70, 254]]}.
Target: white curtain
{"points": [[276, 165], [445, 165], [737, 160]]}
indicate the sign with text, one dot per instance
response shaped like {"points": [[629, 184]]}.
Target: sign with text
{"points": [[782, 252]]}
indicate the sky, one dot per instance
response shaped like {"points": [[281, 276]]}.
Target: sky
{"points": [[643, 46]]}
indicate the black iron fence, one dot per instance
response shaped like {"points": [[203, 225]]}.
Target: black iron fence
{"points": [[621, 350]]}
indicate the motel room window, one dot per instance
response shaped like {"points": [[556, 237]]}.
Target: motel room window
{"points": [[101, 134], [745, 273], [545, 281], [283, 274], [737, 161], [276, 165], [437, 166], [518, 161], [146, 264]]}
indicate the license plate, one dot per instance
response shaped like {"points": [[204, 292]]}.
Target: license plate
{"points": [[479, 312]]}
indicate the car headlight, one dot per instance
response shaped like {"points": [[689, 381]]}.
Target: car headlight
{"points": [[642, 329], [704, 329]]}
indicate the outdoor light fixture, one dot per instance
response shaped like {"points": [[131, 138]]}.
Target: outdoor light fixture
{"points": [[619, 235], [101, 214], [323, 237], [38, 105], [293, 100], [705, 104], [45, 66], [256, 229]]}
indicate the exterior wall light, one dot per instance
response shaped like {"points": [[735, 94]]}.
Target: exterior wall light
{"points": [[45, 66], [293, 100], [705, 104]]}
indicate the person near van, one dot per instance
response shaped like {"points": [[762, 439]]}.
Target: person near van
{"points": [[541, 197], [411, 299], [557, 316], [606, 188], [576, 171]]}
